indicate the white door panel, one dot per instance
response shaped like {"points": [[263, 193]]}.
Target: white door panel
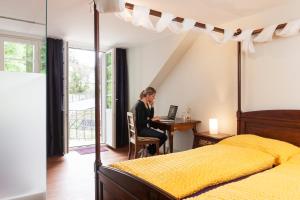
{"points": [[109, 106]]}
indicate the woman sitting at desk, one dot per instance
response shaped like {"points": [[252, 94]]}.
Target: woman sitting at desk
{"points": [[144, 113]]}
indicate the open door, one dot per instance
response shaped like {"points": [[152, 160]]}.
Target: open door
{"points": [[108, 98], [81, 97]]}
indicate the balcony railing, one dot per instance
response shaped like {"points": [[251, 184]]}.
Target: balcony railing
{"points": [[82, 127], [82, 124]]}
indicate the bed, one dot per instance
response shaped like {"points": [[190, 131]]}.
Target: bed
{"points": [[184, 173], [279, 183], [283, 125]]}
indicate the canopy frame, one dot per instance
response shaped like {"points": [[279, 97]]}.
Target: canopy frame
{"points": [[98, 163]]}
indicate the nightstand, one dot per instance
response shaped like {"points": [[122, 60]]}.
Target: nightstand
{"points": [[205, 138]]}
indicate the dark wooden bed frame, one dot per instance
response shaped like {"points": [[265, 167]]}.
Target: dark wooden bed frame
{"points": [[277, 124], [113, 184]]}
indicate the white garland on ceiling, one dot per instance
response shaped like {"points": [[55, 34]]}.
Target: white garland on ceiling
{"points": [[140, 17], [109, 6], [228, 34], [291, 29], [164, 22], [266, 35]]}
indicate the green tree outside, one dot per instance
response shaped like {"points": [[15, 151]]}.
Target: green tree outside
{"points": [[78, 76], [43, 59], [109, 83], [18, 57]]}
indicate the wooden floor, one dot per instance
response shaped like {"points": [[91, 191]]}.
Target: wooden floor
{"points": [[72, 177]]}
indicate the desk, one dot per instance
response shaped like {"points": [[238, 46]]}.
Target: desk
{"points": [[177, 125]]}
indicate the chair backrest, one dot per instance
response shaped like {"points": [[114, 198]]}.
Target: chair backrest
{"points": [[132, 133]]}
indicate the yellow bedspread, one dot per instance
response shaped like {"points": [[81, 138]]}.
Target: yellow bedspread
{"points": [[182, 174], [279, 183]]}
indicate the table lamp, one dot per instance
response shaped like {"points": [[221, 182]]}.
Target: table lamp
{"points": [[213, 126]]}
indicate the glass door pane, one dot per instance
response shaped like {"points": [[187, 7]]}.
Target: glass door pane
{"points": [[108, 108], [81, 97]]}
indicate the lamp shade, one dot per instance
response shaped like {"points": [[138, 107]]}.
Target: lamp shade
{"points": [[213, 126], [109, 6]]}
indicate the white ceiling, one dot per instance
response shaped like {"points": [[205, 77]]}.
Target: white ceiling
{"points": [[73, 21], [32, 10], [211, 11], [76, 24]]}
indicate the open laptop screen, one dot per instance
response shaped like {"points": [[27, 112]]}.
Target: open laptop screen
{"points": [[172, 112]]}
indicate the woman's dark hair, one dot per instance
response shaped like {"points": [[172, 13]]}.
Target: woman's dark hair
{"points": [[142, 94], [149, 91]]}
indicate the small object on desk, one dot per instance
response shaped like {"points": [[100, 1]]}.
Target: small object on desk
{"points": [[205, 138], [187, 114]]}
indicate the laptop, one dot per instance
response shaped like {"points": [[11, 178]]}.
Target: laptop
{"points": [[171, 114]]}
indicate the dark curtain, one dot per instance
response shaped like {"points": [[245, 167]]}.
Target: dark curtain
{"points": [[55, 127], [121, 97]]}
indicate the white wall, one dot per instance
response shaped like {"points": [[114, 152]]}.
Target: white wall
{"points": [[22, 28], [203, 80], [270, 76], [145, 62], [23, 135], [206, 77]]}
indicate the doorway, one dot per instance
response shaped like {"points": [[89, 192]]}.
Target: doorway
{"points": [[81, 98]]}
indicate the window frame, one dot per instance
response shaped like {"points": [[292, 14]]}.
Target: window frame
{"points": [[37, 45]]}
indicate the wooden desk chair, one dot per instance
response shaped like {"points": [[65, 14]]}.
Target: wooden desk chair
{"points": [[136, 141]]}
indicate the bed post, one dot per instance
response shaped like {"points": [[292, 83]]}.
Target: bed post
{"points": [[97, 163], [239, 111]]}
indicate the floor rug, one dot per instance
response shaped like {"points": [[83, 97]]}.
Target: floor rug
{"points": [[87, 149]]}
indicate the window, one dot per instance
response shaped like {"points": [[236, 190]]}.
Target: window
{"points": [[18, 57], [109, 83], [22, 55]]}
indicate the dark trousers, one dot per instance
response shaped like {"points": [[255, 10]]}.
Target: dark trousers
{"points": [[148, 132]]}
